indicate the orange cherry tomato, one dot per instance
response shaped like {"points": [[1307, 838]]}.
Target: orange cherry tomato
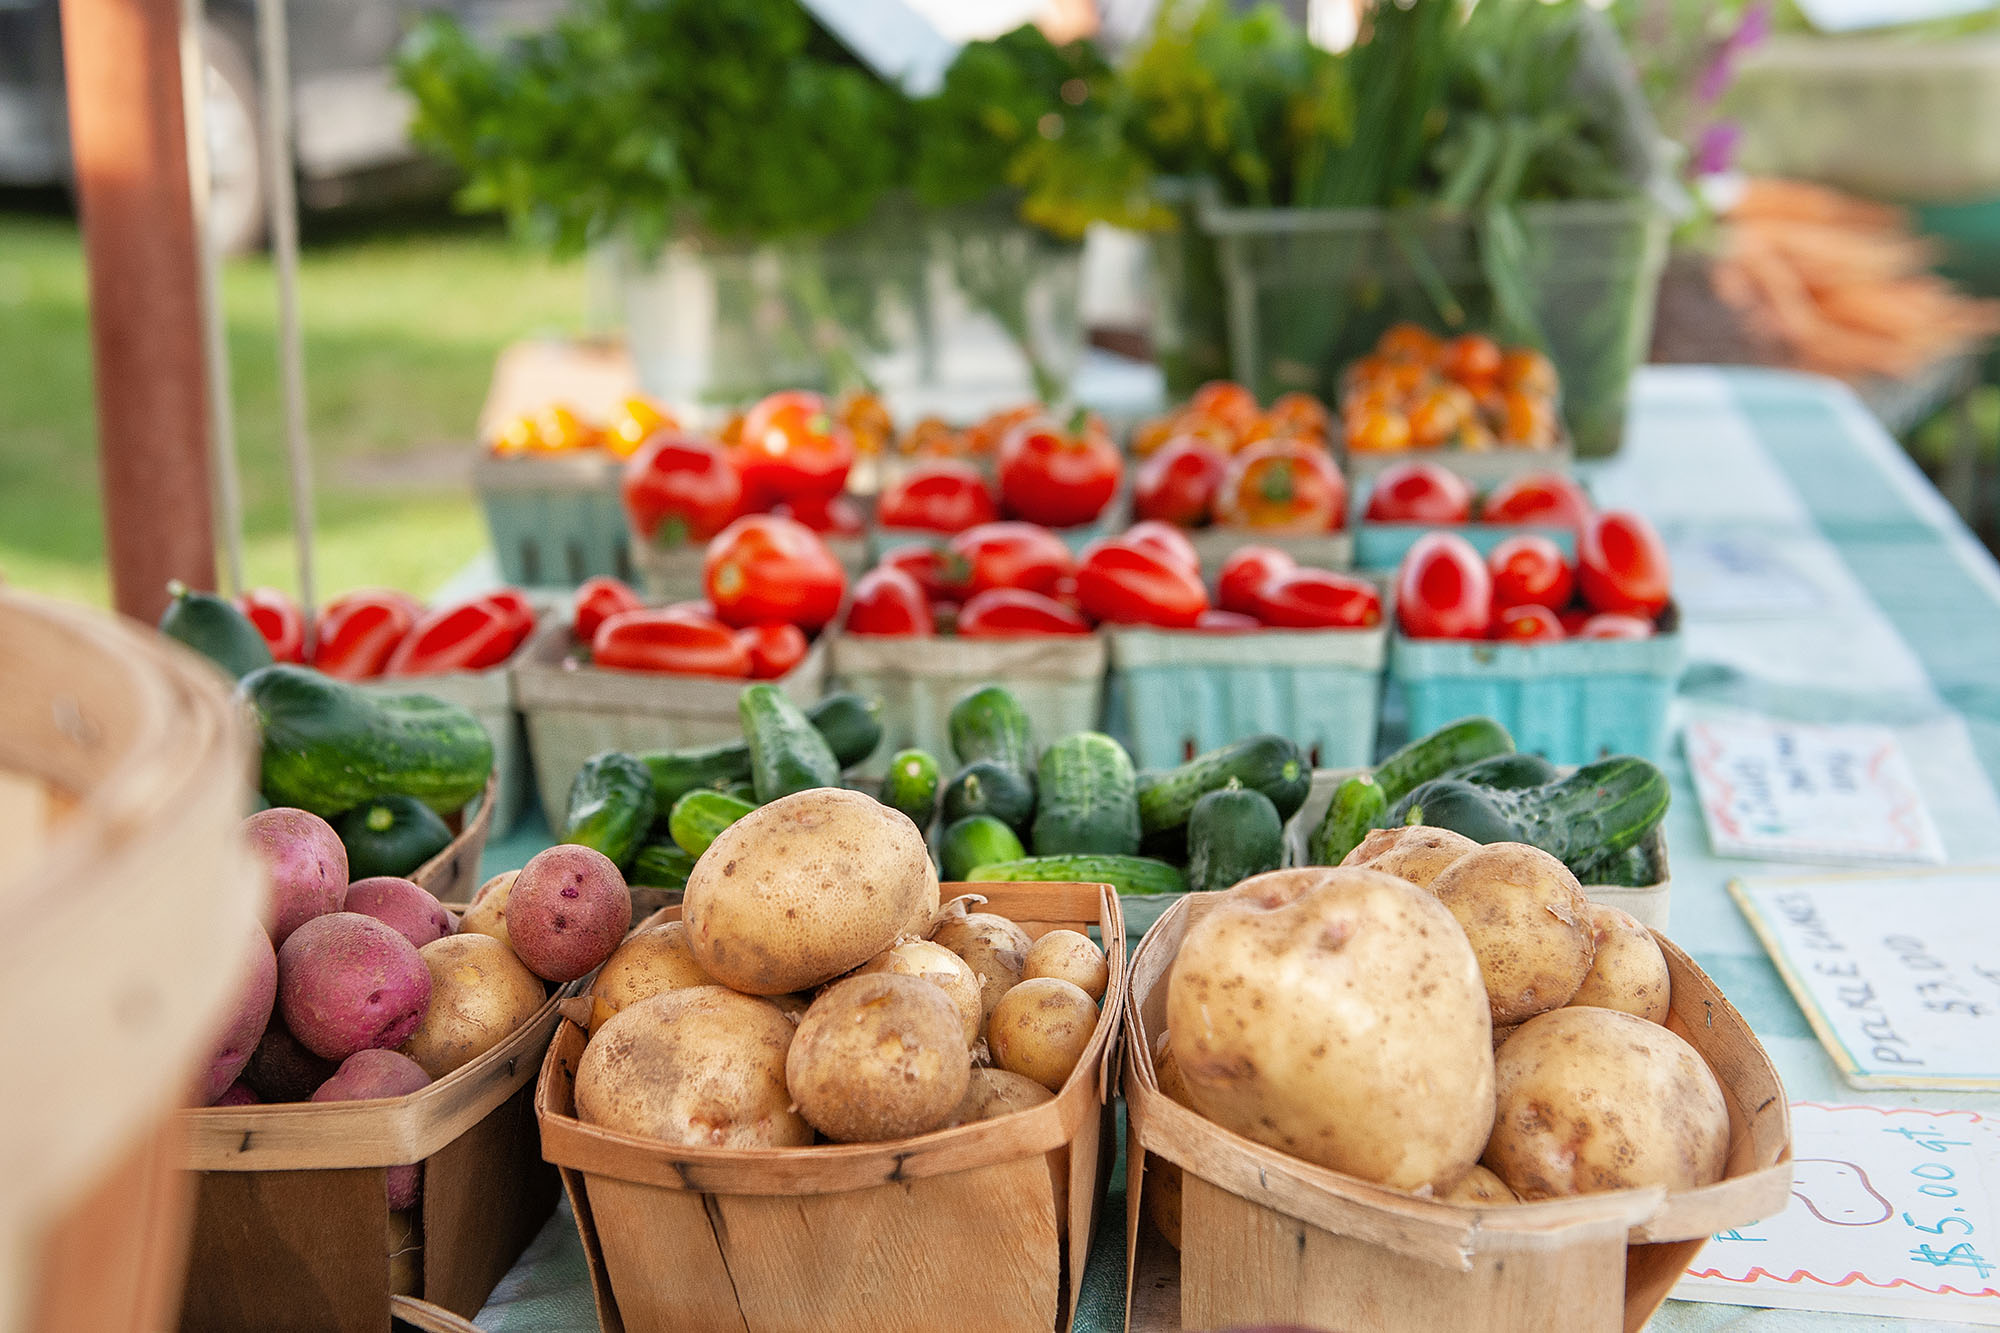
{"points": [[1283, 486], [1472, 358], [931, 437], [1529, 422], [1440, 413], [1299, 415], [638, 417], [563, 431], [1150, 434], [1410, 342], [1528, 370], [522, 435], [1379, 432], [1225, 401]]}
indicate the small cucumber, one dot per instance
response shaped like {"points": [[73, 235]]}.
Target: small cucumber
{"points": [[911, 785], [1234, 833], [1480, 813], [976, 840], [1086, 798], [1358, 805], [787, 753], [1127, 874], [678, 772], [611, 805], [1267, 763], [1454, 746], [1508, 772], [699, 817], [390, 836], [989, 787], [851, 724], [661, 865], [215, 629], [990, 723]]}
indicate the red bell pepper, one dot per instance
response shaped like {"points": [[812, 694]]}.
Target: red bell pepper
{"points": [[670, 640], [277, 618], [356, 633]]}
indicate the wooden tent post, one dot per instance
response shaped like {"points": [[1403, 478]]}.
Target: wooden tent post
{"points": [[123, 63]]}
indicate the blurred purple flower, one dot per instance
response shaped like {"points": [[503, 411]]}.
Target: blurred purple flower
{"points": [[1715, 151], [1716, 76]]}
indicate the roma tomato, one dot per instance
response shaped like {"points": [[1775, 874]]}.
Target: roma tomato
{"points": [[1443, 590], [1283, 486], [888, 603], [1622, 565], [791, 445], [1545, 499], [1615, 625], [278, 619], [1530, 569], [927, 564], [828, 515], [1318, 599], [681, 488], [1060, 478], [1244, 574], [1217, 621], [1419, 493], [1530, 622], [519, 612], [470, 636], [1011, 613], [1178, 483], [356, 633], [1165, 540], [1128, 584], [943, 496], [672, 640], [774, 649], [597, 600], [1007, 555], [764, 568]]}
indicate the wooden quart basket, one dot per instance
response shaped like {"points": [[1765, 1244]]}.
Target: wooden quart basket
{"points": [[1269, 1239], [953, 1229], [452, 876]]}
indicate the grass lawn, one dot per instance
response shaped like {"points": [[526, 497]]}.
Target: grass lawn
{"points": [[404, 315]]}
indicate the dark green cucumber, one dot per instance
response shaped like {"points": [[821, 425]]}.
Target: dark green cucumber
{"points": [[911, 785], [661, 865], [742, 791], [1463, 742], [973, 841], [699, 817], [1127, 874], [678, 772], [1269, 764], [988, 787], [611, 805], [1482, 814], [1633, 868], [1587, 819], [787, 753], [851, 724], [215, 629], [1508, 772], [1086, 798], [390, 836], [1358, 805], [1234, 833], [330, 746], [990, 723]]}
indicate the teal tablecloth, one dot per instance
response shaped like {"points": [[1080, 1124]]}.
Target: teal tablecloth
{"points": [[1904, 630]]}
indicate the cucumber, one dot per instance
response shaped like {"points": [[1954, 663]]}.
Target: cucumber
{"points": [[661, 865], [787, 753], [1269, 764], [1586, 820], [973, 841], [699, 817], [678, 772], [1233, 834], [851, 724], [990, 723], [1508, 772], [1449, 747], [742, 791], [1480, 813], [1357, 806], [1127, 874], [911, 785], [390, 836], [611, 805], [215, 629], [988, 787], [329, 746], [1086, 798]]}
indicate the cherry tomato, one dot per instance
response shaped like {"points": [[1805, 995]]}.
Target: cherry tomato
{"points": [[828, 515], [681, 488], [1224, 401], [944, 496], [1217, 621], [1244, 574], [1283, 486], [1615, 625], [563, 430], [639, 417], [1410, 342], [1178, 483], [1622, 565], [889, 603], [1526, 419], [792, 445], [1007, 555], [1318, 599], [1128, 584], [1056, 477], [774, 649], [1530, 622], [1419, 493], [278, 619], [1167, 541], [1472, 358], [1443, 590], [1544, 499], [470, 636], [1528, 370], [356, 633], [597, 600], [1379, 432], [927, 564], [1299, 415], [672, 640], [1530, 569], [1008, 613], [763, 568]]}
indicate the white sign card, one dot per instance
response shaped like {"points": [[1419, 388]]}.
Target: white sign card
{"points": [[1800, 791], [1899, 975], [1893, 1212], [1857, 15], [1737, 575], [913, 42]]}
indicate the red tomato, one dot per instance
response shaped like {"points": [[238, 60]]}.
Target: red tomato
{"points": [[1283, 486], [1178, 483], [927, 564], [774, 649], [791, 445], [1419, 493], [1530, 569], [1217, 621], [1244, 574], [681, 488], [278, 619], [1443, 590], [672, 640], [1546, 499], [1318, 599], [1615, 625], [356, 633], [1009, 613], [888, 602], [1128, 584], [1059, 478], [699, 606], [597, 600], [828, 515], [471, 636], [944, 496], [763, 568], [1622, 565], [1007, 555], [1166, 541], [1530, 622]]}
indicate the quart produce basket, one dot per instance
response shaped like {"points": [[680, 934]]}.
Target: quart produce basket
{"points": [[1482, 467], [838, 1237], [674, 573], [1173, 694], [1269, 1239], [555, 520], [489, 696], [122, 768], [1381, 546], [452, 876], [1318, 550]]}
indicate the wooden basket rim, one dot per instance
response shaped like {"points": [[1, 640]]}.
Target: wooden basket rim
{"points": [[474, 835]]}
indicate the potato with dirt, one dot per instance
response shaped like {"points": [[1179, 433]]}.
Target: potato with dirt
{"points": [[307, 863], [1070, 955], [1040, 1029], [992, 946], [349, 983], [1528, 921], [991, 1093], [1480, 1188], [1628, 972], [567, 911], [1416, 852], [651, 961], [878, 1057], [480, 993]]}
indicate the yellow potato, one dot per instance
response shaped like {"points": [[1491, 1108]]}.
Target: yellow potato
{"points": [[992, 946], [648, 963], [991, 1093], [1071, 955], [1629, 972], [939, 966], [1480, 1186], [480, 992], [1415, 852], [1527, 919], [488, 913], [879, 1057], [1040, 1029]]}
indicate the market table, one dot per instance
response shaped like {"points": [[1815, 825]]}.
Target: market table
{"points": [[1899, 624]]}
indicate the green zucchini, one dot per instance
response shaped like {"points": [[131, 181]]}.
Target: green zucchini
{"points": [[699, 817], [988, 787], [215, 629], [611, 805], [1127, 874], [911, 785], [990, 723], [1234, 833], [678, 772], [390, 836], [1358, 805], [787, 753], [1269, 764], [974, 841], [1086, 798], [1586, 820], [1449, 747], [661, 865], [329, 746], [851, 724], [1508, 772]]}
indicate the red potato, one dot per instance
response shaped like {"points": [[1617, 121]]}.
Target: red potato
{"points": [[567, 912], [239, 1094], [251, 1014], [283, 1070], [307, 865], [367, 1075], [347, 982], [402, 904]]}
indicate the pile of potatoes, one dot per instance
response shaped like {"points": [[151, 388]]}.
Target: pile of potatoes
{"points": [[815, 989], [1454, 1020]]}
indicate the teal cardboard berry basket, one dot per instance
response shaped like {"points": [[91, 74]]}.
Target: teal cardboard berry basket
{"points": [[555, 521]]}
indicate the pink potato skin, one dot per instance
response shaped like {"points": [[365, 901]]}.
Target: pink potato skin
{"points": [[248, 1017], [348, 983], [282, 1070], [569, 910], [403, 904], [366, 1075], [306, 862], [239, 1094]]}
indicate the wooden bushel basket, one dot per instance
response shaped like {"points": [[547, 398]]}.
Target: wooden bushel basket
{"points": [[953, 1229], [1268, 1238]]}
